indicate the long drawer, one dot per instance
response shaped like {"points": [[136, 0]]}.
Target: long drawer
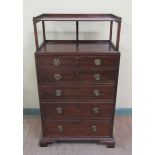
{"points": [[82, 76], [77, 110], [77, 128], [50, 61], [77, 93]]}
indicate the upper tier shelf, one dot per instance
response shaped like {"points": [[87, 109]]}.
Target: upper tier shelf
{"points": [[83, 47], [77, 17]]}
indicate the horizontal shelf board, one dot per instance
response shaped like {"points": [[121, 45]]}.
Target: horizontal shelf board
{"points": [[71, 46], [77, 17]]}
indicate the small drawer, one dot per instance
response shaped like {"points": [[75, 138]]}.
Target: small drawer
{"points": [[77, 128], [50, 61], [77, 110], [56, 76], [99, 61], [72, 93], [80, 76], [98, 76]]}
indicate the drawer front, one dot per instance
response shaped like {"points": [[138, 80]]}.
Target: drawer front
{"points": [[99, 61], [56, 76], [84, 128], [98, 76], [61, 93], [49, 61], [93, 76], [77, 110], [58, 62]]}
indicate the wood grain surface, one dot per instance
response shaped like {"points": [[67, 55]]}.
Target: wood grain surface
{"points": [[32, 134]]}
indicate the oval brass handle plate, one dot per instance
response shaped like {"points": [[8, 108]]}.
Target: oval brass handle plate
{"points": [[59, 110], [57, 76], [60, 128], [58, 92], [94, 128], [97, 62], [96, 92], [97, 77], [56, 62], [95, 110]]}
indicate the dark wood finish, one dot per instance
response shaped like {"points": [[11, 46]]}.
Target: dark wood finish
{"points": [[88, 110], [77, 83], [46, 61], [84, 46], [106, 76], [106, 61], [122, 133], [35, 35], [77, 17], [118, 35], [43, 26], [77, 31], [77, 128], [111, 26], [77, 92], [108, 141]]}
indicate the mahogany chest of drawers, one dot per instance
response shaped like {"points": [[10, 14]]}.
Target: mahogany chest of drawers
{"points": [[77, 83]]}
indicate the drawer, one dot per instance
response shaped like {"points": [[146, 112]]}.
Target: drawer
{"points": [[99, 61], [56, 76], [77, 110], [50, 61], [74, 93], [98, 76], [81, 76], [58, 62], [76, 128]]}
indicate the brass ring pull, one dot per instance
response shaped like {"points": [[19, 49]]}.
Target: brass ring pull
{"points": [[97, 62], [56, 62], [60, 128], [59, 110], [58, 92], [97, 77], [96, 92], [95, 110], [94, 128], [57, 76]]}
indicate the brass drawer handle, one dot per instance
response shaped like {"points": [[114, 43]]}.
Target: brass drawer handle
{"points": [[60, 128], [56, 62], [57, 76], [96, 92], [97, 77], [97, 62], [59, 110], [95, 110], [94, 128], [58, 92]]}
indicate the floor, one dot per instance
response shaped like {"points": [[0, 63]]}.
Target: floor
{"points": [[122, 134]]}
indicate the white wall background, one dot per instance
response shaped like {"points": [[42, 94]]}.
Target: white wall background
{"points": [[121, 8]]}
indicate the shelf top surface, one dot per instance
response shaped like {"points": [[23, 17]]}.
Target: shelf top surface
{"points": [[77, 17], [63, 47]]}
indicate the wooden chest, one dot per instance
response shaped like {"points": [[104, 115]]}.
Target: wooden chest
{"points": [[77, 84]]}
